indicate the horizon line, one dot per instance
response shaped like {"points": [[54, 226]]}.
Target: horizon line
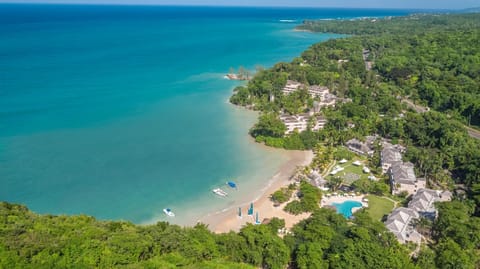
{"points": [[232, 6]]}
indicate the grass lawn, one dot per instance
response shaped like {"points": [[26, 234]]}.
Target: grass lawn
{"points": [[379, 206], [350, 170]]}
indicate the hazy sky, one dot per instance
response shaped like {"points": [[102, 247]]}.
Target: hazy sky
{"points": [[429, 4]]}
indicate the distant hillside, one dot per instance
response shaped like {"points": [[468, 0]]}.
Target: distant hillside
{"points": [[471, 10], [412, 24]]}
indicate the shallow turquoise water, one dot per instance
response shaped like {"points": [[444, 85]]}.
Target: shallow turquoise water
{"points": [[119, 112], [345, 208]]}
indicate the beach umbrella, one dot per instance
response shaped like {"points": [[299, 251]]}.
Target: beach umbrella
{"points": [[250, 210]]}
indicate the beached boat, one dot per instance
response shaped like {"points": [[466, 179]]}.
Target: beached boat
{"points": [[168, 212], [232, 184], [220, 192]]}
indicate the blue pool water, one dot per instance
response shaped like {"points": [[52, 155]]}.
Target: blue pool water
{"points": [[346, 207]]}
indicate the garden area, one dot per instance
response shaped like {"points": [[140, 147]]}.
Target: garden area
{"points": [[349, 171], [379, 206]]}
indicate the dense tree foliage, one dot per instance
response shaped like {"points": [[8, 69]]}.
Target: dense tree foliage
{"points": [[283, 195], [326, 240], [431, 58], [457, 238], [29, 240], [405, 25], [308, 199], [371, 186], [268, 125]]}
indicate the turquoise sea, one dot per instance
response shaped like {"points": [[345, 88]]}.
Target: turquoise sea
{"points": [[120, 111]]}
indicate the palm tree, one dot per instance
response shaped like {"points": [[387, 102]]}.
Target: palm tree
{"points": [[298, 174], [336, 182], [241, 72]]}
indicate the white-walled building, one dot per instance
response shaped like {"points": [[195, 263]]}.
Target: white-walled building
{"points": [[315, 91], [300, 122], [292, 86]]}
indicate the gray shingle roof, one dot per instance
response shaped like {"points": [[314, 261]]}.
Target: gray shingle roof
{"points": [[399, 219], [391, 155], [423, 200], [403, 173], [399, 222], [357, 145]]}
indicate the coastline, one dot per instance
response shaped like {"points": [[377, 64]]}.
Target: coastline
{"points": [[303, 30], [228, 220]]}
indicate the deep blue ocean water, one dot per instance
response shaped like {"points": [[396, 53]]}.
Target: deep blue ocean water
{"points": [[120, 111]]}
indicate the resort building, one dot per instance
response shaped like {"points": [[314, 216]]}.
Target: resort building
{"points": [[368, 64], [423, 201], [301, 122], [402, 175], [319, 123], [360, 147], [292, 86], [403, 179], [390, 155], [316, 179], [319, 92], [401, 222]]}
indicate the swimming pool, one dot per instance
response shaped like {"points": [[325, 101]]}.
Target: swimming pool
{"points": [[346, 207]]}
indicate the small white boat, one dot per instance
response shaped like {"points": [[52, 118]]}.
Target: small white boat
{"points": [[220, 192], [168, 212]]}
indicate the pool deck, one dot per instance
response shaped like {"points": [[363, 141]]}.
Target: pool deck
{"points": [[340, 199]]}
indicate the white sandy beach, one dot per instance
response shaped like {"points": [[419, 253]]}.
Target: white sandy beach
{"points": [[229, 220]]}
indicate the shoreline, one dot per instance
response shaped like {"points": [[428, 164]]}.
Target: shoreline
{"points": [[228, 220], [303, 30]]}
